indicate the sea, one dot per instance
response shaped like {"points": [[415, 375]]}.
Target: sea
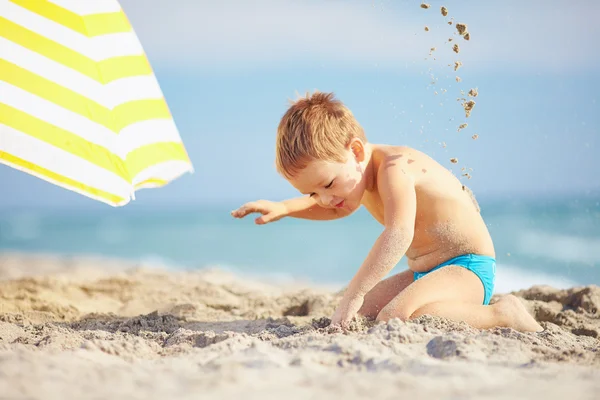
{"points": [[550, 242]]}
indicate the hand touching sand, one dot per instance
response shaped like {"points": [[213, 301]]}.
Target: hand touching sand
{"points": [[271, 211], [347, 310]]}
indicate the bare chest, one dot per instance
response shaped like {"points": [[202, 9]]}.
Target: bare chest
{"points": [[374, 205]]}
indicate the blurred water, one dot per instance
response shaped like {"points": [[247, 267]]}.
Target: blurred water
{"points": [[555, 242]]}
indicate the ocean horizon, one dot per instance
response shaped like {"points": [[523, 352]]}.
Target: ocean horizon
{"points": [[553, 242]]}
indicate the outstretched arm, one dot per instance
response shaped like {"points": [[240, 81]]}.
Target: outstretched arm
{"points": [[306, 207], [397, 191], [301, 207]]}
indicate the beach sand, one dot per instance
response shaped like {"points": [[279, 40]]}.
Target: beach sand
{"points": [[82, 328]]}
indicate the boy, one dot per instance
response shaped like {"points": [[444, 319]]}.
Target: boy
{"points": [[427, 214]]}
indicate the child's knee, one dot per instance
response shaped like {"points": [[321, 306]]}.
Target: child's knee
{"points": [[369, 311], [387, 313]]}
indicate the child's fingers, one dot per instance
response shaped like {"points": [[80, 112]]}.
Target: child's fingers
{"points": [[265, 219], [239, 213], [246, 209], [262, 220]]}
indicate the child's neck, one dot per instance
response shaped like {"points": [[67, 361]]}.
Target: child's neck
{"points": [[369, 168]]}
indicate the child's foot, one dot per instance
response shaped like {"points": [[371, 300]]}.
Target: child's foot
{"points": [[515, 314]]}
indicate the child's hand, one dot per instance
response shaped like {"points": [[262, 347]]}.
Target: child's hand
{"points": [[271, 211], [347, 310]]}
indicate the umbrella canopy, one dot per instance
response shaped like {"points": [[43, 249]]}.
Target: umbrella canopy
{"points": [[79, 103]]}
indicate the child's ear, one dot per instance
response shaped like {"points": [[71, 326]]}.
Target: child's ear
{"points": [[358, 149]]}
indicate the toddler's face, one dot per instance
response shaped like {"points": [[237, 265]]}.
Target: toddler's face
{"points": [[333, 184]]}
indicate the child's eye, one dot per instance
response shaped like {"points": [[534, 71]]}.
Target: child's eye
{"points": [[311, 195], [330, 183]]}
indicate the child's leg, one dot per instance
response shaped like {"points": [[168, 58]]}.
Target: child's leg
{"points": [[384, 292], [508, 311], [456, 293]]}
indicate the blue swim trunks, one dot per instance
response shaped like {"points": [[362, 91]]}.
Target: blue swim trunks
{"points": [[483, 266]]}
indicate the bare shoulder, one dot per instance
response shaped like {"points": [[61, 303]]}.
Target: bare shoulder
{"points": [[413, 162], [430, 178], [392, 161]]}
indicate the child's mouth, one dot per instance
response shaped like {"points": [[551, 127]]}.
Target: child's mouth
{"points": [[340, 204]]}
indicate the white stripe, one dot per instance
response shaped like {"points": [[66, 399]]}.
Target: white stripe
{"points": [[61, 162], [168, 170], [87, 7], [135, 88], [146, 132], [109, 96], [58, 116], [97, 48], [116, 45]]}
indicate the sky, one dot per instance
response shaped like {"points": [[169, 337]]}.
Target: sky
{"points": [[228, 68]]}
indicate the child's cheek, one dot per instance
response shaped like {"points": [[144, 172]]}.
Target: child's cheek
{"points": [[347, 188]]}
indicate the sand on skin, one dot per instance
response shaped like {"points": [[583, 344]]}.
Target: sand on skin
{"points": [[91, 328]]}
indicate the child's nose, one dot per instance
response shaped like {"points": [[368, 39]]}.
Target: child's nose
{"points": [[326, 200]]}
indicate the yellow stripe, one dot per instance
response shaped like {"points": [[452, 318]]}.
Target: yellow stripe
{"points": [[88, 25], [153, 182], [60, 180], [146, 156], [103, 71], [106, 23], [122, 116], [62, 139], [115, 68], [139, 110]]}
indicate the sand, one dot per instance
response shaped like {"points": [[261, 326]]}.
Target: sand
{"points": [[468, 106], [461, 28], [82, 328]]}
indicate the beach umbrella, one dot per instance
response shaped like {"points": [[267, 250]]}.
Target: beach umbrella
{"points": [[80, 106]]}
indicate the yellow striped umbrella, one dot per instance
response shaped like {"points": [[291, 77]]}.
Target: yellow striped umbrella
{"points": [[79, 103]]}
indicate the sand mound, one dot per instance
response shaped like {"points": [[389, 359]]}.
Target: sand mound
{"points": [[155, 333]]}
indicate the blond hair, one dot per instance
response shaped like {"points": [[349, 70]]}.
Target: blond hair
{"points": [[317, 127]]}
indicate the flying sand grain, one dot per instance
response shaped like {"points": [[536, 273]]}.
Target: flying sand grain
{"points": [[461, 28], [468, 106]]}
